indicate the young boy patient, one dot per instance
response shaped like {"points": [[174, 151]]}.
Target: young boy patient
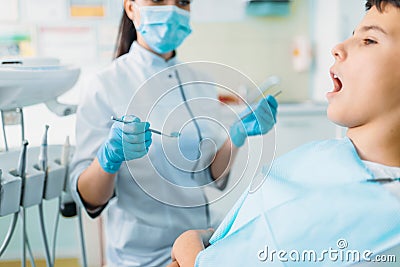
{"points": [[334, 202]]}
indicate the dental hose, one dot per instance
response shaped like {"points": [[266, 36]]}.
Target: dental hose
{"points": [[64, 162], [83, 247], [68, 207], [28, 246], [43, 166], [44, 237], [11, 228], [24, 237], [21, 171], [53, 260], [9, 234]]}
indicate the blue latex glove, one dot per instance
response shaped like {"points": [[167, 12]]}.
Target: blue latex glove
{"points": [[259, 122], [126, 141]]}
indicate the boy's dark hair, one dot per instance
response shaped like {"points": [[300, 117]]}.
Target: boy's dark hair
{"points": [[379, 3]]}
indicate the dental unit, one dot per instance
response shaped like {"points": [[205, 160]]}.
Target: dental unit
{"points": [[29, 176]]}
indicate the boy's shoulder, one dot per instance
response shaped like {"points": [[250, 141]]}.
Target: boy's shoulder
{"points": [[320, 147], [326, 161]]}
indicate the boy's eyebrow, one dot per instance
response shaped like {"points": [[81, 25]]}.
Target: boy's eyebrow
{"points": [[373, 28]]}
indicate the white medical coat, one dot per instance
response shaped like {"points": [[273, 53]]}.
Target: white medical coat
{"points": [[140, 227]]}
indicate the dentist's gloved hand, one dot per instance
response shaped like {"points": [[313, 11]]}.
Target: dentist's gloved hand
{"points": [[259, 122], [126, 141]]}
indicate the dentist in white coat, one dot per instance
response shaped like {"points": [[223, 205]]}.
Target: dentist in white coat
{"points": [[144, 218]]}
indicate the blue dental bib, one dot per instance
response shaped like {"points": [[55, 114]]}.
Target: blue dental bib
{"points": [[314, 207]]}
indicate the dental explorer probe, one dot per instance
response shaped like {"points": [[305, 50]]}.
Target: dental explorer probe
{"points": [[173, 134], [251, 111]]}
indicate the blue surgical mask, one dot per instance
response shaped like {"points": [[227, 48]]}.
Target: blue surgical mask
{"points": [[164, 28]]}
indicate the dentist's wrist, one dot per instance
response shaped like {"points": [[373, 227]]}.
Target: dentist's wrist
{"points": [[105, 160], [237, 134]]}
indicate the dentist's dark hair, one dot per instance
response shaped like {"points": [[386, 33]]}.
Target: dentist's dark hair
{"points": [[379, 4], [126, 36]]}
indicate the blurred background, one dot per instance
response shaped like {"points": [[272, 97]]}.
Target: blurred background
{"points": [[290, 40]]}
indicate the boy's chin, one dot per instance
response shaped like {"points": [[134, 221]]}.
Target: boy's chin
{"points": [[338, 118]]}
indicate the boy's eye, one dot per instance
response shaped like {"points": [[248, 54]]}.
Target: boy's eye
{"points": [[369, 41]]}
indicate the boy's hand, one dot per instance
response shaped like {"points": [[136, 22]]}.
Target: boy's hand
{"points": [[173, 264], [188, 245]]}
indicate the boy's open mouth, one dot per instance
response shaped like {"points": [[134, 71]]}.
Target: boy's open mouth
{"points": [[337, 84]]}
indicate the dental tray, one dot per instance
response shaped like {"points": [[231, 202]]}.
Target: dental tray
{"points": [[30, 81]]}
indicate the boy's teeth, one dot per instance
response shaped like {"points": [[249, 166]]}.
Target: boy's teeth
{"points": [[335, 76]]}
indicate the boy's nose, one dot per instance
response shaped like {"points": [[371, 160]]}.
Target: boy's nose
{"points": [[338, 52]]}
